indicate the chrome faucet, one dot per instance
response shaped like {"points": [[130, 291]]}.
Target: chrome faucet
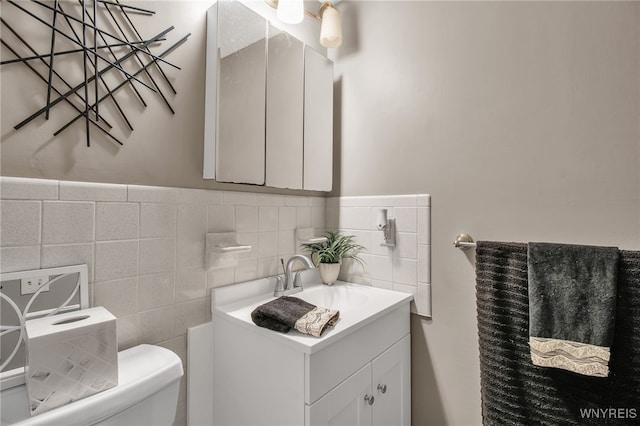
{"points": [[292, 281]]}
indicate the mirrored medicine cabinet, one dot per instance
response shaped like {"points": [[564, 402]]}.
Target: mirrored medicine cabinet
{"points": [[268, 104]]}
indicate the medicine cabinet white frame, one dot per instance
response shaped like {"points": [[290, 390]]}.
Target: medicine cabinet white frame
{"points": [[280, 162]]}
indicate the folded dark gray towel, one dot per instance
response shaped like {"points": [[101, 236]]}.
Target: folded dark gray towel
{"points": [[286, 312], [572, 297]]}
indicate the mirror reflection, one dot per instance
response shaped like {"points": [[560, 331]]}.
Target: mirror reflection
{"points": [[284, 132], [269, 104], [240, 152]]}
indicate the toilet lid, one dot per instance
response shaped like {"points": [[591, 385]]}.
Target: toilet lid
{"points": [[142, 371]]}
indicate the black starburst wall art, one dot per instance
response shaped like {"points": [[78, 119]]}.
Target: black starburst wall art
{"points": [[95, 55]]}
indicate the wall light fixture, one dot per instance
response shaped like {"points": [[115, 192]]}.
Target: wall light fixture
{"points": [[292, 12]]}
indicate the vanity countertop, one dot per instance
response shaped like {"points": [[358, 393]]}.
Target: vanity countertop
{"points": [[358, 304]]}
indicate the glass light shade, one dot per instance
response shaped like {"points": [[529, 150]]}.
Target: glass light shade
{"points": [[290, 11], [331, 28]]}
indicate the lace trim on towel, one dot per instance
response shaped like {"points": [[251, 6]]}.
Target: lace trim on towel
{"points": [[316, 321], [581, 358]]}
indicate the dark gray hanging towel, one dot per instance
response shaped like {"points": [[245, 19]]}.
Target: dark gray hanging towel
{"points": [[516, 392], [572, 306]]}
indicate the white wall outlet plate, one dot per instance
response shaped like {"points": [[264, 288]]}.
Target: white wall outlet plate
{"points": [[33, 284]]}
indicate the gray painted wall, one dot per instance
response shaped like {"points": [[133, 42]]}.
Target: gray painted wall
{"points": [[163, 150], [522, 121]]}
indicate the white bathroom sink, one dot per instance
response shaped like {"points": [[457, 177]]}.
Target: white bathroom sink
{"points": [[343, 296], [358, 304]]}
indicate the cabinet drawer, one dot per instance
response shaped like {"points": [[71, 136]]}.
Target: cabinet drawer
{"points": [[327, 368]]}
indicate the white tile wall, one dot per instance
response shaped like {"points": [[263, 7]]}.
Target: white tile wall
{"points": [[92, 191], [20, 223], [406, 267], [117, 221], [145, 245], [28, 189], [67, 222]]}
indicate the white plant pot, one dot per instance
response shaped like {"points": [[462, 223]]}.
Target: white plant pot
{"points": [[329, 272]]}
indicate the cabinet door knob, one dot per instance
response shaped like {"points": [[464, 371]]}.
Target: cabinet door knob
{"points": [[382, 388], [369, 399]]}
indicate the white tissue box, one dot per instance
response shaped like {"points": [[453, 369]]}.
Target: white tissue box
{"points": [[70, 356]]}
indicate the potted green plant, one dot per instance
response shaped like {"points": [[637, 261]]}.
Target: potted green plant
{"points": [[328, 255]]}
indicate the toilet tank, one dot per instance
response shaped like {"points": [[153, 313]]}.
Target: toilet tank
{"points": [[147, 394]]}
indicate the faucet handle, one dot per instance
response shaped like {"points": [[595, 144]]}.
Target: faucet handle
{"points": [[297, 280], [279, 290]]}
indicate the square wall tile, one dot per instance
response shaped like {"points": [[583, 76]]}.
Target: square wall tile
{"points": [[157, 255], [192, 230], [268, 218], [286, 242], [268, 266], [406, 245], [116, 259], [189, 314], [220, 277], [19, 258], [67, 222], [16, 188], [89, 191], [157, 220], [332, 218], [221, 219], [68, 254], [156, 325], [117, 221], [405, 271], [378, 267], [191, 284], [286, 218], [363, 238], [267, 244], [406, 219], [246, 270], [20, 223], [318, 217], [303, 217], [127, 332], [246, 218], [355, 218], [155, 290], [120, 297]]}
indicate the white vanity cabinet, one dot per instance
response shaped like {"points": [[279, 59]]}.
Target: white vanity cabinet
{"points": [[262, 377], [378, 394]]}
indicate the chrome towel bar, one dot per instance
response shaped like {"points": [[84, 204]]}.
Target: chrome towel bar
{"points": [[464, 242]]}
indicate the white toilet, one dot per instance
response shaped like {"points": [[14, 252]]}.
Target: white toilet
{"points": [[146, 395]]}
